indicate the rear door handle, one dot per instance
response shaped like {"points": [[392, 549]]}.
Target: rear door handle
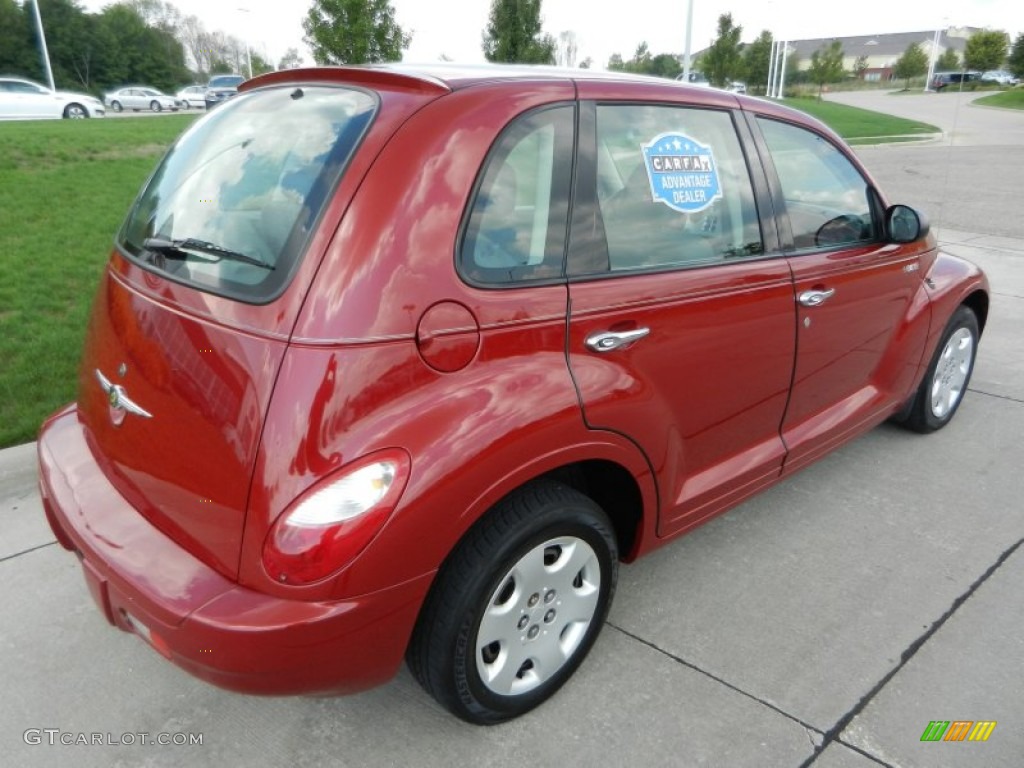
{"points": [[609, 340], [815, 298]]}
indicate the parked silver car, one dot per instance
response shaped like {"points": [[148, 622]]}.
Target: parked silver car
{"points": [[192, 96], [22, 99], [138, 97]]}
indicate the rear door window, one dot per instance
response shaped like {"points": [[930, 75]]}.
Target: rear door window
{"points": [[233, 203], [673, 189]]}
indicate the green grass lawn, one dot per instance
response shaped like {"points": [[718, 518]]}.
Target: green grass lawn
{"points": [[1007, 99], [860, 126], [65, 186]]}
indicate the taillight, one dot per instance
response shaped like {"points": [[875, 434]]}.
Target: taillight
{"points": [[330, 524]]}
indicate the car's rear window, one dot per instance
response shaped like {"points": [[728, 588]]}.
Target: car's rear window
{"points": [[231, 206], [228, 81]]}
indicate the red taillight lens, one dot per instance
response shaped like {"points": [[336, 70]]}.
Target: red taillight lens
{"points": [[329, 525]]}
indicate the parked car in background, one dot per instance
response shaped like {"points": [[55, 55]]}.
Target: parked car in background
{"points": [[137, 97], [399, 363], [737, 86], [22, 99], [694, 78], [192, 96], [942, 80], [221, 88], [1000, 76]]}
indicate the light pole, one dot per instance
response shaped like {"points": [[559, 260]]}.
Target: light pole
{"points": [[42, 42], [932, 59], [248, 55], [686, 52]]}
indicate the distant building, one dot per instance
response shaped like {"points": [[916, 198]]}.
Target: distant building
{"points": [[880, 52]]}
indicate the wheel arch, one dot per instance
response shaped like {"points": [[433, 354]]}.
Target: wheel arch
{"points": [[978, 302]]}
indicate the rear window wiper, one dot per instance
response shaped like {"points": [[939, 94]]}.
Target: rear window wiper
{"points": [[183, 246]]}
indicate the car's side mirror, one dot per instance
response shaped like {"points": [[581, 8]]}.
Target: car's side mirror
{"points": [[905, 225]]}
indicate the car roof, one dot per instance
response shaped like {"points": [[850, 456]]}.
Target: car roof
{"points": [[446, 76]]}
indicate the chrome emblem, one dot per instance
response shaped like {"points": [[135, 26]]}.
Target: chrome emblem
{"points": [[119, 401]]}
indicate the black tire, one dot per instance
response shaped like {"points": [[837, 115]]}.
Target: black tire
{"points": [[116, 106], [948, 375], [155, 106], [572, 541], [75, 112]]}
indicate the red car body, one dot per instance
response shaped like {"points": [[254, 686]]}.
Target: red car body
{"points": [[379, 345]]}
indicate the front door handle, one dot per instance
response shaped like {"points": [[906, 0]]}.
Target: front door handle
{"points": [[815, 298], [606, 341]]}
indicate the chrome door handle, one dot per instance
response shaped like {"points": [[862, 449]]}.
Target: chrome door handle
{"points": [[815, 298], [609, 340]]}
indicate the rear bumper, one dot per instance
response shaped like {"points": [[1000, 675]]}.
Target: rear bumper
{"points": [[228, 635]]}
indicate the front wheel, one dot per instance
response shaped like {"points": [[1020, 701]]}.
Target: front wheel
{"points": [[75, 112], [948, 375], [116, 106], [518, 604]]}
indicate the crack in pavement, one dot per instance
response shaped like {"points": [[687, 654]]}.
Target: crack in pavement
{"points": [[690, 665], [26, 551], [835, 732], [997, 397]]}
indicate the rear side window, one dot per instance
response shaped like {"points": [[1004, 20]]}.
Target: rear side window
{"points": [[673, 188], [827, 200], [231, 206], [516, 225]]}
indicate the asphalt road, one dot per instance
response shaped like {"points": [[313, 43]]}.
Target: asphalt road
{"points": [[826, 622]]}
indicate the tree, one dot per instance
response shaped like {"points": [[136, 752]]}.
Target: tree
{"points": [[723, 61], [757, 59], [1016, 60], [827, 65], [665, 65], [643, 63], [587, 63], [354, 32], [17, 49], [986, 50], [949, 61], [913, 63], [514, 34], [861, 64], [260, 65], [290, 60]]}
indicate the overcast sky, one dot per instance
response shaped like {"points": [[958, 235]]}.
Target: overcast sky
{"points": [[453, 27]]}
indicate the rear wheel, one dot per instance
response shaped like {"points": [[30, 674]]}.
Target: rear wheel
{"points": [[154, 105], [517, 606], [946, 380]]}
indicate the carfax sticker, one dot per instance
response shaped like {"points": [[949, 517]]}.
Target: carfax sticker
{"points": [[682, 172]]}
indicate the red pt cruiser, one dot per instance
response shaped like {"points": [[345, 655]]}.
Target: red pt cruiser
{"points": [[400, 363]]}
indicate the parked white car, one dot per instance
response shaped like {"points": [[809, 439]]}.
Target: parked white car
{"points": [[192, 96], [138, 97], [22, 99], [1000, 76]]}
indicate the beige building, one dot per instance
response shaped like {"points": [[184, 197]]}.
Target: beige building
{"points": [[880, 52]]}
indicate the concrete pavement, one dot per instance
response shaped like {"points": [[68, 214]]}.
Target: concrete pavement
{"points": [[826, 622]]}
